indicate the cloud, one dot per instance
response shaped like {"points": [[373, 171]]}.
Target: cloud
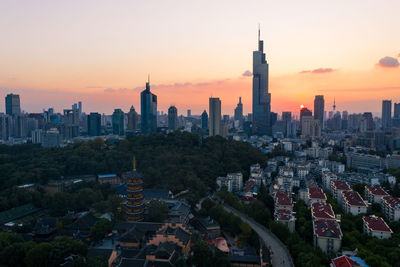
{"points": [[390, 62], [109, 90], [247, 73], [318, 71]]}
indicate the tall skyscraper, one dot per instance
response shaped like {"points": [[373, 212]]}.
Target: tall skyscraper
{"points": [[261, 97], [286, 116], [148, 110], [13, 106], [71, 123], [118, 120], [396, 114], [189, 113], [319, 109], [204, 120], [132, 120], [172, 118], [304, 112], [239, 112], [94, 124], [386, 114], [214, 120]]}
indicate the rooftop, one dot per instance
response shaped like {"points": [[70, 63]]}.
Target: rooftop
{"points": [[375, 223], [344, 261], [392, 201], [353, 198], [322, 211], [340, 185], [376, 190], [282, 199], [316, 193], [283, 215], [327, 228]]}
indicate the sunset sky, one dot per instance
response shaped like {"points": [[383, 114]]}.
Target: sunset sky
{"points": [[54, 53]]}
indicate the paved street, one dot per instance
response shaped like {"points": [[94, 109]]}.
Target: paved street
{"points": [[280, 256]]}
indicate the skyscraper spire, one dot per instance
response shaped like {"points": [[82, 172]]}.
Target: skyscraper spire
{"points": [[258, 32], [334, 104], [240, 100]]}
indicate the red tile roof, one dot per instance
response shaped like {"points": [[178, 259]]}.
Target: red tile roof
{"points": [[282, 199], [391, 201], [344, 261], [375, 223], [283, 215], [327, 228], [340, 185], [316, 193], [322, 211], [376, 190], [353, 198]]}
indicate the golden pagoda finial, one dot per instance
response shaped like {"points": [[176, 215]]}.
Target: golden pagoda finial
{"points": [[134, 163]]}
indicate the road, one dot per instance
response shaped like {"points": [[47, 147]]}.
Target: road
{"points": [[280, 256]]}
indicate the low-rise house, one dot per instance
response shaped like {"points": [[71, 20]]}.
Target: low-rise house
{"points": [[344, 261], [391, 208], [286, 171], [374, 193], [285, 217], [376, 227], [315, 195], [327, 235], [353, 203], [322, 211]]}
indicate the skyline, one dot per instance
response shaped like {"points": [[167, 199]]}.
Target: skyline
{"points": [[101, 53]]}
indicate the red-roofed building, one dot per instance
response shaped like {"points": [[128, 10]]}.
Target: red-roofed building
{"points": [[337, 187], [327, 235], [322, 211], [344, 261], [314, 195], [286, 217], [391, 208], [376, 227], [374, 193], [220, 243], [283, 201], [353, 203]]}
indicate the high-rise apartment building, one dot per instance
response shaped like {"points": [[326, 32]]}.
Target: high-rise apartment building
{"points": [[214, 120], [71, 123], [386, 114], [286, 116], [396, 114], [239, 112], [303, 113], [204, 120], [132, 120], [319, 109], [261, 96], [94, 124], [118, 122], [148, 110], [13, 106], [172, 118]]}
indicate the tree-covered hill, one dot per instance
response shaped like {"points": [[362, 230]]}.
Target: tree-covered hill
{"points": [[177, 161]]}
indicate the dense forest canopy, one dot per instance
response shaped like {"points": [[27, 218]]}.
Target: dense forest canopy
{"points": [[176, 161]]}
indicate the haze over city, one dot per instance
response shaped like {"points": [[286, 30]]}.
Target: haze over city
{"points": [[100, 52]]}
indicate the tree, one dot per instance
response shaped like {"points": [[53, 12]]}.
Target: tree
{"points": [[158, 211], [202, 255], [40, 255], [100, 229]]}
